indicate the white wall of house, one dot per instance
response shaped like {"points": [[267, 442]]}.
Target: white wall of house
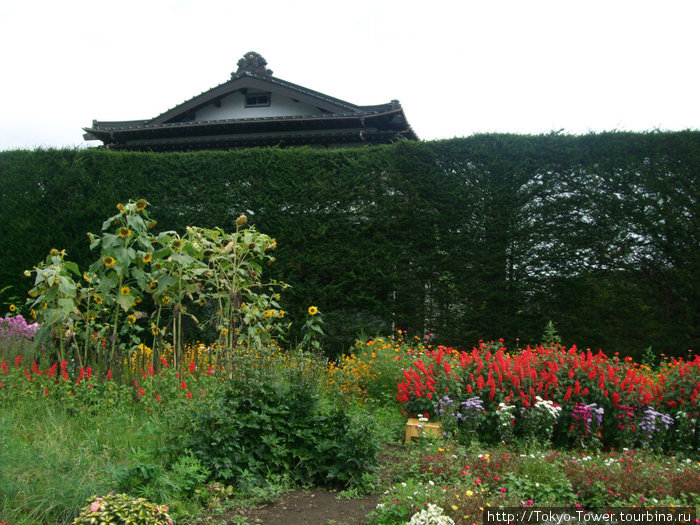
{"points": [[233, 107]]}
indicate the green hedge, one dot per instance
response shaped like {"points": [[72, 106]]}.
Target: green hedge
{"points": [[483, 237]]}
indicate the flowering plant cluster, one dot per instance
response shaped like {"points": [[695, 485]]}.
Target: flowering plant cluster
{"points": [[586, 424], [16, 335], [536, 423], [461, 420], [120, 508], [546, 385], [431, 515]]}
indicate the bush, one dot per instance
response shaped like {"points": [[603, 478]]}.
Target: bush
{"points": [[269, 427]]}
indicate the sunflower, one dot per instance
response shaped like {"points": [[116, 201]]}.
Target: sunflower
{"points": [[12, 308], [280, 314], [224, 331], [147, 258], [165, 299], [131, 318], [124, 233], [153, 284], [141, 204], [125, 290], [269, 313], [32, 312], [108, 261], [97, 299], [313, 310]]}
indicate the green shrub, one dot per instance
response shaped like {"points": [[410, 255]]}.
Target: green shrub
{"points": [[122, 509], [267, 427]]}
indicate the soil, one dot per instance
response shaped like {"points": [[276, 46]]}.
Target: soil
{"points": [[307, 507], [318, 506]]}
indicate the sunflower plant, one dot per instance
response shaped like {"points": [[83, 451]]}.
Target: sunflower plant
{"points": [[313, 330], [123, 271], [53, 299]]}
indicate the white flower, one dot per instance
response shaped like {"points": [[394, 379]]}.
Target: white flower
{"points": [[432, 515]]}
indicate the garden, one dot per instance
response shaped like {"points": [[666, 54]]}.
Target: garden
{"points": [[162, 384]]}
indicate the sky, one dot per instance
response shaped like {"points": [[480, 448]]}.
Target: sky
{"points": [[458, 68]]}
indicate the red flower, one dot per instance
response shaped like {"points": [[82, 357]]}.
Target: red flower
{"points": [[189, 395], [109, 374], [567, 396], [192, 367]]}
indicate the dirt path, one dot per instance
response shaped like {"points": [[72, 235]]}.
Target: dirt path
{"points": [[307, 507]]}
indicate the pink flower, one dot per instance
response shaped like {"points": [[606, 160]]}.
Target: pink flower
{"points": [[503, 489], [94, 507]]}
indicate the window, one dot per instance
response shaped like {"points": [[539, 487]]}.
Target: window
{"points": [[257, 100]]}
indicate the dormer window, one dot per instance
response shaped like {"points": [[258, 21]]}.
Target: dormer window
{"points": [[257, 100]]}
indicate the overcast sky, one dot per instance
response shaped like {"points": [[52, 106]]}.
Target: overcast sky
{"points": [[457, 67]]}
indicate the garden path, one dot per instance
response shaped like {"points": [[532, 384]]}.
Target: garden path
{"points": [[307, 507]]}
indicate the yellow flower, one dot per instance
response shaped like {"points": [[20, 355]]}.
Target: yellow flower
{"points": [[32, 313], [202, 302], [455, 507], [470, 493], [12, 308], [124, 232], [119, 206], [125, 290], [313, 310], [108, 261], [151, 225], [280, 314], [154, 329], [141, 204], [131, 318], [165, 299], [224, 331], [97, 299], [147, 258], [268, 313], [153, 284]]}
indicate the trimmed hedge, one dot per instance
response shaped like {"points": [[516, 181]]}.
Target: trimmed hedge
{"points": [[483, 237]]}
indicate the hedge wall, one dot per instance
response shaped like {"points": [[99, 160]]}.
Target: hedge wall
{"points": [[484, 237]]}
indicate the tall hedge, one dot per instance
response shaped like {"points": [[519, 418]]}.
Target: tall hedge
{"points": [[483, 237]]}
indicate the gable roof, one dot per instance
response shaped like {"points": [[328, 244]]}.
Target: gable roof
{"points": [[331, 121]]}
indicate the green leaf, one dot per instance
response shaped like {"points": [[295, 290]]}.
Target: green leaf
{"points": [[72, 267], [125, 301], [67, 305]]}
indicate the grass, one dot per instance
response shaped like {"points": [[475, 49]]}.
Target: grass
{"points": [[53, 459]]}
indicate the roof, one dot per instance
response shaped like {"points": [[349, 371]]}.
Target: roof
{"points": [[333, 120]]}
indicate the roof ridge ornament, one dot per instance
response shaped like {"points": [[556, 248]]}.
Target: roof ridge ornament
{"points": [[254, 63]]}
